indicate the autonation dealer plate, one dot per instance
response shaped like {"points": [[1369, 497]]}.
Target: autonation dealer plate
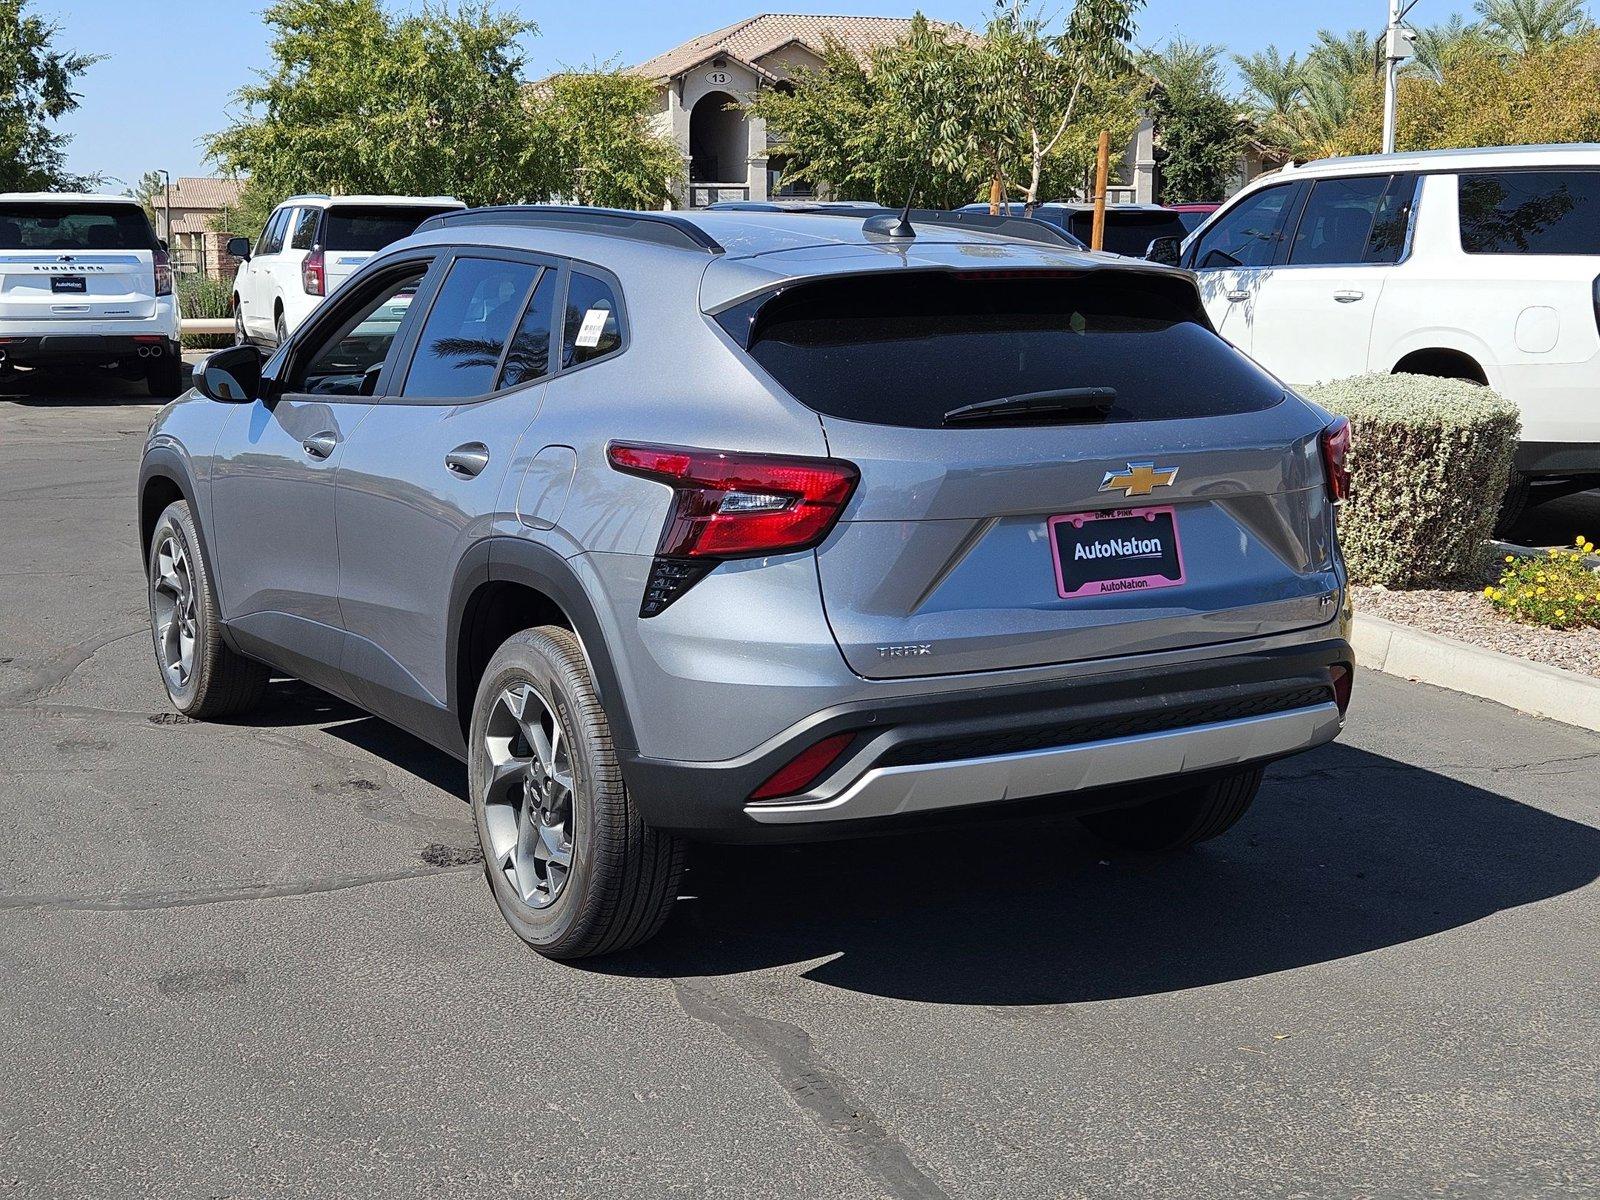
{"points": [[1127, 550]]}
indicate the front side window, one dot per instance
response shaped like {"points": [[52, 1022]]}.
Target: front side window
{"points": [[1530, 212], [349, 359], [465, 336], [1248, 236], [592, 328], [33, 226], [272, 236], [1337, 221], [304, 233]]}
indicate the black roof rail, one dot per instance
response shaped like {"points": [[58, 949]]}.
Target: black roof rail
{"points": [[663, 229], [1028, 229]]}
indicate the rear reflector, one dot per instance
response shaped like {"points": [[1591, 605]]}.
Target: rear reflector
{"points": [[802, 770], [1336, 459]]}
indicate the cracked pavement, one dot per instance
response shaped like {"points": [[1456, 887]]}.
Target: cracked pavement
{"points": [[249, 960]]}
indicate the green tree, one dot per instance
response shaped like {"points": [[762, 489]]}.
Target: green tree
{"points": [[1274, 86], [1522, 26], [357, 100], [592, 128], [36, 89], [1198, 125]]}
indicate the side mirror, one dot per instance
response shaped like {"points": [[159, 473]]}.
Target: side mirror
{"points": [[1165, 250], [239, 247], [231, 376]]}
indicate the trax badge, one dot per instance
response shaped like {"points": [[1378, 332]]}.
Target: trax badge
{"points": [[1140, 479]]}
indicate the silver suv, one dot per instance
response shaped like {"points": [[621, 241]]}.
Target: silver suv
{"points": [[760, 526]]}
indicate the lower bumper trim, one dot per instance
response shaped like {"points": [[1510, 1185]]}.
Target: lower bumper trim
{"points": [[925, 787]]}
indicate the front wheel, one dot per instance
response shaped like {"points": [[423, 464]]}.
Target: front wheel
{"points": [[1179, 819], [574, 869]]}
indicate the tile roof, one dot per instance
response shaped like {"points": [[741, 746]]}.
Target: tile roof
{"points": [[754, 37], [192, 191]]}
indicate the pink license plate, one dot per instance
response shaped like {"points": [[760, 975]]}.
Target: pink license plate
{"points": [[1125, 550]]}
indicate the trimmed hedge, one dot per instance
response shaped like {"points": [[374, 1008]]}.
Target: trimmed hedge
{"points": [[1430, 461]]}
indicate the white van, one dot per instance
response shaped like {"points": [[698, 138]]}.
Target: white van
{"points": [[1470, 264], [84, 283], [309, 246]]}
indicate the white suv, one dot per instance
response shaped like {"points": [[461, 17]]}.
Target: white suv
{"points": [[84, 283], [310, 245], [1471, 264]]}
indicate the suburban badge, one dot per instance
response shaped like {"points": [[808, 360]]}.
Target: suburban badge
{"points": [[1140, 479]]}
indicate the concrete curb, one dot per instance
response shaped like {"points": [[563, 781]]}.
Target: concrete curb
{"points": [[1528, 687]]}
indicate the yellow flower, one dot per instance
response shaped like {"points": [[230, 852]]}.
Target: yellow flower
{"points": [[1539, 591], [1560, 612], [1511, 558], [1489, 592]]}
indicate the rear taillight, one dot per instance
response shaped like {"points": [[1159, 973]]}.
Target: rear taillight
{"points": [[802, 770], [314, 275], [727, 505], [1336, 459], [163, 274], [1343, 679]]}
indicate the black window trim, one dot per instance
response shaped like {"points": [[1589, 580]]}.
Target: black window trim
{"points": [[328, 316], [448, 257]]}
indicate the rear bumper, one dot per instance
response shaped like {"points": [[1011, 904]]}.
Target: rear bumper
{"points": [[88, 350], [1073, 745]]}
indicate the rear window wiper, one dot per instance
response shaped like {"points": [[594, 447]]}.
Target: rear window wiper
{"points": [[1078, 403]]}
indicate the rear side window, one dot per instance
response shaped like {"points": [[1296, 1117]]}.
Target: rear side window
{"points": [[592, 328], [303, 234], [529, 356], [372, 227], [467, 328], [1248, 234], [906, 349], [1127, 233], [78, 227], [1530, 212]]}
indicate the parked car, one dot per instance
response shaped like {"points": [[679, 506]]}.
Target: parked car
{"points": [[735, 526], [84, 283], [1192, 216], [308, 247], [1130, 228], [1467, 264]]}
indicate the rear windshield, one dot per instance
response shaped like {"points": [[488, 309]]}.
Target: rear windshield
{"points": [[74, 227], [372, 228], [1530, 212], [907, 349], [1128, 233]]}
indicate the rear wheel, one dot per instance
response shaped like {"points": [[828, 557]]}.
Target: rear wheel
{"points": [[573, 867], [164, 375], [203, 677], [1179, 819], [1512, 505], [280, 327]]}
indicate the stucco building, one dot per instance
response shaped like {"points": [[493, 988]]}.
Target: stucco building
{"points": [[198, 242]]}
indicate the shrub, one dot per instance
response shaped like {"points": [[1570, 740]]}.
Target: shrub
{"points": [[1430, 460], [1557, 591], [202, 296]]}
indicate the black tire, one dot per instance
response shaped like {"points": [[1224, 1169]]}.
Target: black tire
{"points": [[623, 876], [219, 682], [280, 327], [164, 376], [1512, 505], [240, 337], [1180, 819]]}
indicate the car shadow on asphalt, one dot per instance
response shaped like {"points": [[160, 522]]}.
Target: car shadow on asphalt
{"points": [[74, 389], [1345, 852]]}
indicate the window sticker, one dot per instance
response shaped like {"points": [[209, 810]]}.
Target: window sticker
{"points": [[594, 324]]}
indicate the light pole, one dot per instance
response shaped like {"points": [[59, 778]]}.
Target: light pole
{"points": [[1399, 43]]}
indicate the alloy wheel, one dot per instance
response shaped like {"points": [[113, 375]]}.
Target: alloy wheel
{"points": [[174, 610], [528, 803]]}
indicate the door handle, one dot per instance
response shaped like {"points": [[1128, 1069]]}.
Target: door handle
{"points": [[320, 445], [467, 460], [1348, 295], [1235, 296]]}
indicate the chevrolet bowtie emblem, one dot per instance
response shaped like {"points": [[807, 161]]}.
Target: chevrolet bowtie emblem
{"points": [[1140, 479]]}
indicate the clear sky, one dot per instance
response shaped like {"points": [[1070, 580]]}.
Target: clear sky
{"points": [[171, 65]]}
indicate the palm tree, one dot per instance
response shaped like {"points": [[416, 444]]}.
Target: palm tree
{"points": [[1526, 25], [1345, 56], [1273, 86], [1436, 42]]}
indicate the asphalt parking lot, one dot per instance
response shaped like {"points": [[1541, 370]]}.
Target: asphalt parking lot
{"points": [[249, 960]]}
